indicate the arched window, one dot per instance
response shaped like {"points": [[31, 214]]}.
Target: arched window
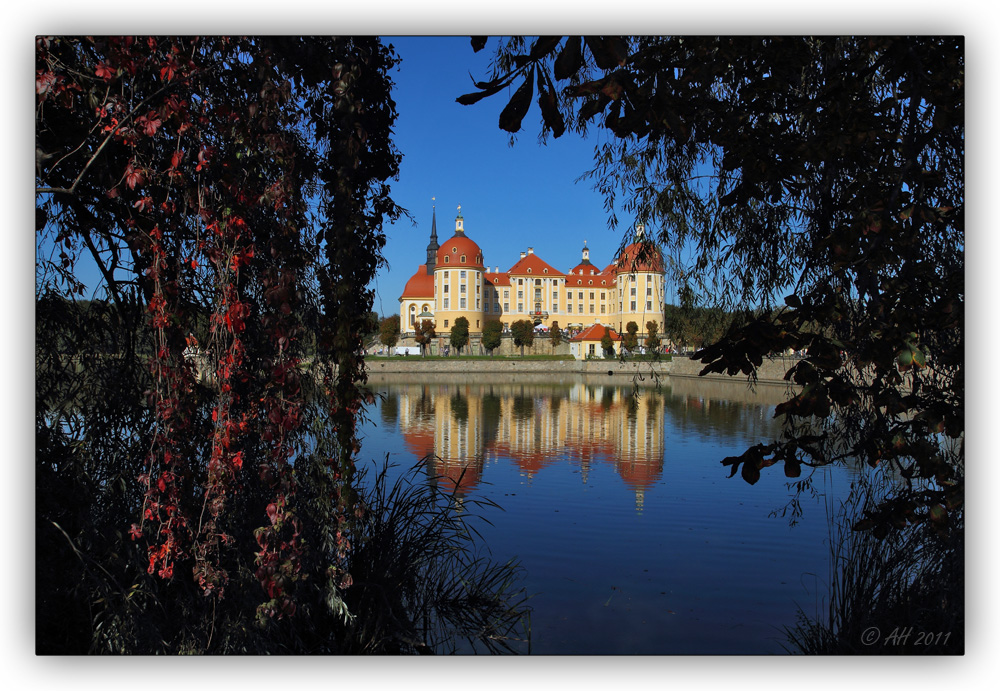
{"points": [[462, 259], [446, 259]]}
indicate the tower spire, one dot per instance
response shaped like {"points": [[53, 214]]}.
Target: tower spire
{"points": [[433, 246]]}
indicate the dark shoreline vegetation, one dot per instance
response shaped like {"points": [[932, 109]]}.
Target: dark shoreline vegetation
{"points": [[805, 193]]}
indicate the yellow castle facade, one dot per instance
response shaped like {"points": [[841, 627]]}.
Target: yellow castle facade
{"points": [[456, 282]]}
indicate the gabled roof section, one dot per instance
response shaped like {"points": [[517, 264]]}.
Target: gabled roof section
{"points": [[596, 333], [534, 265], [597, 279], [497, 279]]}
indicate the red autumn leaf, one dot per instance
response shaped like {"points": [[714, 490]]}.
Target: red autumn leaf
{"points": [[176, 158], [44, 83], [151, 123], [134, 176], [105, 72]]}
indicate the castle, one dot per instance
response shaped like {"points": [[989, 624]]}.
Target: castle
{"points": [[454, 282]]}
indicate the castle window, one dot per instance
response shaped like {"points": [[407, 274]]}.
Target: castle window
{"points": [[545, 271], [446, 259], [590, 283], [461, 274], [461, 304], [454, 249], [446, 307], [529, 271], [649, 305], [462, 259]]}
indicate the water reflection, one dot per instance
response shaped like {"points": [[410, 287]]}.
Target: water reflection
{"points": [[467, 425]]}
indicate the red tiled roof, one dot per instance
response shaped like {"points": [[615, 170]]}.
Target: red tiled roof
{"points": [[420, 285], [536, 264], [595, 333], [585, 269], [639, 256], [497, 279], [599, 278], [455, 248]]}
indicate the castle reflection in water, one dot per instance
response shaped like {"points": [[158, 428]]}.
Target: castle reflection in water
{"points": [[466, 426]]}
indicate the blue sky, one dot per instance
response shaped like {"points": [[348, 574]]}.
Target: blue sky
{"points": [[512, 197]]}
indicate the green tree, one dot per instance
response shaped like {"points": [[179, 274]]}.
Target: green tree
{"points": [[796, 182], [523, 332], [423, 334], [607, 345], [460, 334], [388, 332], [492, 335], [555, 335], [631, 340], [652, 340]]}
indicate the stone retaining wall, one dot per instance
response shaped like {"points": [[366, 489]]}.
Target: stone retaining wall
{"points": [[771, 372]]}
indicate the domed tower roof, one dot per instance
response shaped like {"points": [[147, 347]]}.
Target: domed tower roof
{"points": [[420, 285], [459, 251], [642, 255]]}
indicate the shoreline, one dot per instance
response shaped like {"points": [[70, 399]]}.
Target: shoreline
{"points": [[771, 372]]}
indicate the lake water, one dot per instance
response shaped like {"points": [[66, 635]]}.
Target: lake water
{"points": [[633, 537]]}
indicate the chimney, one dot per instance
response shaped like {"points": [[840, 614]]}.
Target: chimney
{"points": [[522, 255], [531, 250]]}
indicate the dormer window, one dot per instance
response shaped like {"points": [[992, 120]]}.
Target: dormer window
{"points": [[545, 271], [454, 249], [529, 271], [462, 259], [446, 259]]}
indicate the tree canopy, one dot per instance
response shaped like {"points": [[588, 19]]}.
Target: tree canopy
{"points": [[460, 334], [195, 471], [492, 335], [812, 186], [523, 333], [388, 332]]}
